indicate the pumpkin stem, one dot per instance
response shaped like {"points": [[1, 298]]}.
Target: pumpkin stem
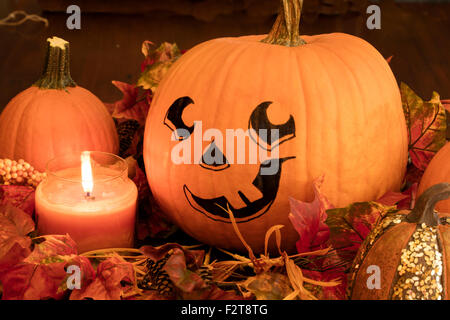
{"points": [[56, 73], [423, 211], [285, 31]]}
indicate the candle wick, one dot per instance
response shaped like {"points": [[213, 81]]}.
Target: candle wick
{"points": [[89, 196]]}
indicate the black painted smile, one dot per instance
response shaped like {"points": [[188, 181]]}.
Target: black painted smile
{"points": [[267, 184]]}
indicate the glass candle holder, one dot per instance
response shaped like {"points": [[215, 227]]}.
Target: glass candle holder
{"points": [[97, 215]]}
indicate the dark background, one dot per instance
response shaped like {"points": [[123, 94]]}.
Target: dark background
{"points": [[108, 46]]}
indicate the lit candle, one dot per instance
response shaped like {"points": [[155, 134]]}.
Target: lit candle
{"points": [[91, 198]]}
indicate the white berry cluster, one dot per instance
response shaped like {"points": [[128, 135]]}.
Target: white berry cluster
{"points": [[19, 173]]}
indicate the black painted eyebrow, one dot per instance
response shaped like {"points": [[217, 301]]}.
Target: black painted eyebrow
{"points": [[259, 120], [174, 121]]}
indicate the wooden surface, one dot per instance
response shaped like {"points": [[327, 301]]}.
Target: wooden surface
{"points": [[108, 46]]}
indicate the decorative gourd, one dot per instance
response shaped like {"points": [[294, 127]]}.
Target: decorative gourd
{"points": [[407, 254], [438, 171], [55, 116], [333, 99]]}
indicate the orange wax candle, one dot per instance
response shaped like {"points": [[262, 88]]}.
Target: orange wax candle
{"points": [[95, 205]]}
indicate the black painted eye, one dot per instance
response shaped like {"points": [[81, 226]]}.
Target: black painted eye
{"points": [[174, 121], [266, 134], [214, 159]]}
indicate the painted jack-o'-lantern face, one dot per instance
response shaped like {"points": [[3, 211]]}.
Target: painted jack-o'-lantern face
{"points": [[213, 158], [337, 110]]}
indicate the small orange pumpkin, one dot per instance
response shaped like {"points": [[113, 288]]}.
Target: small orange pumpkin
{"points": [[332, 98], [438, 171], [55, 116], [407, 254]]}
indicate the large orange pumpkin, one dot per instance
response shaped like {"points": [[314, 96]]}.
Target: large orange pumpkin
{"points": [[55, 116], [437, 171], [333, 99]]}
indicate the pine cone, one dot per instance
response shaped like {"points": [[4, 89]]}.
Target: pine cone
{"points": [[126, 131], [156, 278]]}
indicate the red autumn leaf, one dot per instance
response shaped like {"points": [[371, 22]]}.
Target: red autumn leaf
{"points": [[308, 220], [426, 122], [14, 242], [21, 197], [33, 281], [404, 200], [115, 277], [391, 198], [151, 220], [43, 275], [133, 106], [27, 281], [349, 227], [409, 202], [413, 175], [139, 178]]}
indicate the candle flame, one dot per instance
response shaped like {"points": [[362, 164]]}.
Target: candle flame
{"points": [[86, 172]]}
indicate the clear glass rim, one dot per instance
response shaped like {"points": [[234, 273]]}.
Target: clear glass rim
{"points": [[123, 168]]}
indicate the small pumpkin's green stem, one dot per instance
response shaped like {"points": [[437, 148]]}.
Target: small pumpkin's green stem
{"points": [[423, 211], [285, 31], [56, 73]]}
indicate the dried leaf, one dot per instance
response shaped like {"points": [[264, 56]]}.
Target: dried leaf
{"points": [[183, 278], [21, 197], [309, 219], [427, 126], [134, 104], [193, 258], [337, 292], [14, 242], [156, 64], [115, 278], [53, 245], [269, 286], [189, 284], [349, 226]]}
